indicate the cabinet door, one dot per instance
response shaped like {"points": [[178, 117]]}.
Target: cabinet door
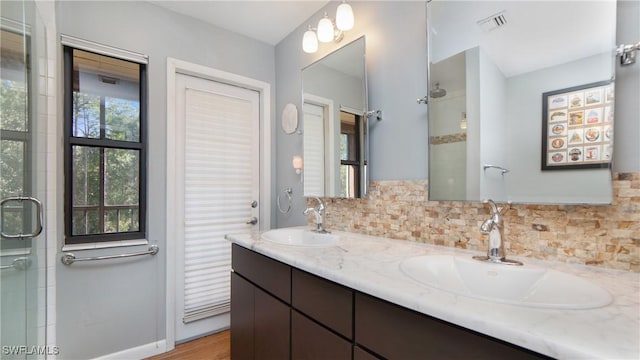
{"points": [[241, 318], [310, 341], [271, 327], [361, 354], [395, 332]]}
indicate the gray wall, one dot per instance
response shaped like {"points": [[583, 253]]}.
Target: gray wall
{"points": [[397, 75], [626, 152], [493, 91], [113, 306], [526, 183]]}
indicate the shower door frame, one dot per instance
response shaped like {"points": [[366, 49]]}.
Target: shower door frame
{"points": [[34, 21]]}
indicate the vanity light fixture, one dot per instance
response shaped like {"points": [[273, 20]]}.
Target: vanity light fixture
{"points": [[326, 31], [344, 17], [297, 163]]}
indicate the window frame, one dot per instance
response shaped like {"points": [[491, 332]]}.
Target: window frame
{"points": [[70, 141], [357, 163]]}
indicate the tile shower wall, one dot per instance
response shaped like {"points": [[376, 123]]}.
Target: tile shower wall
{"points": [[604, 236]]}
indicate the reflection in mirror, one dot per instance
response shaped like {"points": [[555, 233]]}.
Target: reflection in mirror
{"points": [[492, 63], [335, 128]]}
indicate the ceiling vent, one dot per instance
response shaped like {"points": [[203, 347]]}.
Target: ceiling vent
{"points": [[493, 22]]}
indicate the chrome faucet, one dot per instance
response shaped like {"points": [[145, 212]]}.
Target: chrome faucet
{"points": [[494, 227], [318, 212]]}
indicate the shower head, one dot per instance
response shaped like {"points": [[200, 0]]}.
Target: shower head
{"points": [[437, 92]]}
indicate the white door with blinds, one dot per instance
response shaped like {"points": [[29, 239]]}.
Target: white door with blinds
{"points": [[217, 137]]}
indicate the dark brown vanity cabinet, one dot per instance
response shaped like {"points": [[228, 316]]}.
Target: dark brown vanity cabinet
{"points": [[280, 312], [394, 332], [260, 310]]}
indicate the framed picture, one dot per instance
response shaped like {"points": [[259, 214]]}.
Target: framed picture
{"points": [[577, 127]]}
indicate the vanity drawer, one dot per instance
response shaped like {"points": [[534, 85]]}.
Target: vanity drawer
{"points": [[394, 332], [269, 274], [312, 341], [326, 302]]}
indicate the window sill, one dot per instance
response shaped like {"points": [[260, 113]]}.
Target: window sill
{"points": [[104, 245]]}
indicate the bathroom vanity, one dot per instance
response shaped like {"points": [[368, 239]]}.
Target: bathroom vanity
{"points": [[351, 299]]}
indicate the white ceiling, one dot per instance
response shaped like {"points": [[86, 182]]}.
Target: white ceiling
{"points": [[538, 34], [265, 20]]}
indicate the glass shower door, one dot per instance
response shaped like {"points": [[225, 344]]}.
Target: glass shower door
{"points": [[22, 243]]}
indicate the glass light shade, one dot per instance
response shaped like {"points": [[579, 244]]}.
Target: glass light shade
{"points": [[325, 29], [297, 163], [309, 42], [344, 17]]}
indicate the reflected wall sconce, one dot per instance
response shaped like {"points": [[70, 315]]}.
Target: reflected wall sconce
{"points": [[463, 122], [326, 31], [297, 163]]}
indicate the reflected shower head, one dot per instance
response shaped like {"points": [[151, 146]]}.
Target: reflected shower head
{"points": [[437, 92]]}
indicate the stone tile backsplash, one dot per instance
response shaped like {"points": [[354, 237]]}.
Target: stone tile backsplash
{"points": [[606, 236]]}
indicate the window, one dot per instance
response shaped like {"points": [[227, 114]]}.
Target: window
{"points": [[349, 155], [105, 167]]}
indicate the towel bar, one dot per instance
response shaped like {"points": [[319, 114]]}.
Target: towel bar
{"points": [[69, 258], [21, 263]]}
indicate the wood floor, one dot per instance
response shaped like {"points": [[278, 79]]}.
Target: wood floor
{"points": [[211, 347]]}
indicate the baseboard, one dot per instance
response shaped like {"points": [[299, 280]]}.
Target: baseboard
{"points": [[139, 352]]}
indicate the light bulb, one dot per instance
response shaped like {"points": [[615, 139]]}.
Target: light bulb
{"points": [[344, 17], [310, 41], [325, 29]]}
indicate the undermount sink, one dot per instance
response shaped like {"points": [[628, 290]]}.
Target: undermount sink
{"points": [[300, 237], [517, 285]]}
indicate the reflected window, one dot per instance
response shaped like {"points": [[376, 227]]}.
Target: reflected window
{"points": [[105, 154], [349, 155]]}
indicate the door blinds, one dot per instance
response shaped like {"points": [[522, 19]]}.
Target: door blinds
{"points": [[218, 185], [314, 147]]}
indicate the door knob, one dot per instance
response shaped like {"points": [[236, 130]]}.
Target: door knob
{"points": [[254, 204], [253, 221]]}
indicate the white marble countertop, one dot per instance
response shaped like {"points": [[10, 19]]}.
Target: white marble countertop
{"points": [[372, 265]]}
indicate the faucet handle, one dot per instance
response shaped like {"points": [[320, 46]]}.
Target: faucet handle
{"points": [[505, 208], [495, 210]]}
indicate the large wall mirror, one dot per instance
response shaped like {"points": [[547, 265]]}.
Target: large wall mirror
{"points": [[521, 100], [335, 127]]}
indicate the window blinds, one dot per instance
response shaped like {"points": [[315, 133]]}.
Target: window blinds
{"points": [[218, 184]]}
